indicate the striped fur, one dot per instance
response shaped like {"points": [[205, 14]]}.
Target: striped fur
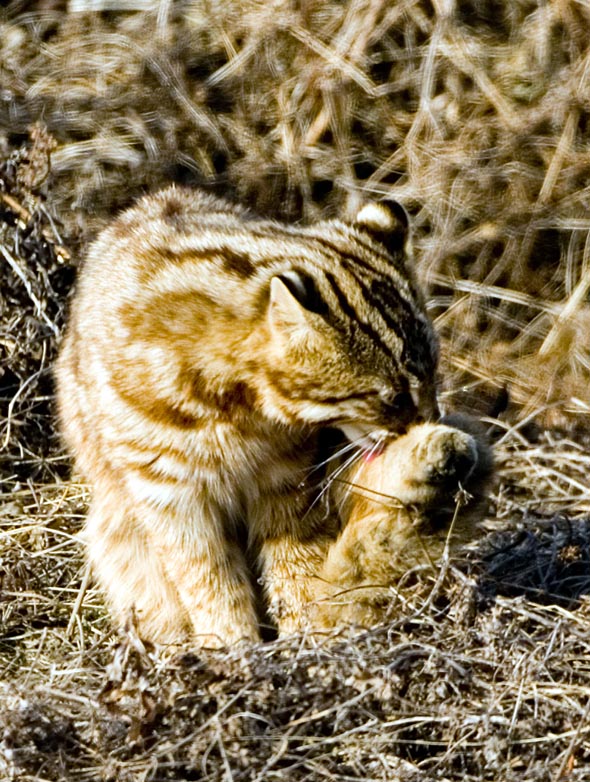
{"points": [[205, 352]]}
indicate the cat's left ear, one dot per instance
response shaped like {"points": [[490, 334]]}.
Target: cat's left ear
{"points": [[285, 311], [388, 222], [294, 304]]}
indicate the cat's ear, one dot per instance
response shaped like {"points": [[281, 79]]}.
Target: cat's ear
{"points": [[284, 309], [293, 297], [388, 222]]}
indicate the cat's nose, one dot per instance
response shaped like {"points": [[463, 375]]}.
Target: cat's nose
{"points": [[426, 404], [404, 408]]}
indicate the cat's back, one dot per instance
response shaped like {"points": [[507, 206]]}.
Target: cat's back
{"points": [[158, 263], [158, 231], [180, 240]]}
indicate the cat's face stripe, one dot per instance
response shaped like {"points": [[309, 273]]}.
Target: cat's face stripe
{"points": [[366, 328]]}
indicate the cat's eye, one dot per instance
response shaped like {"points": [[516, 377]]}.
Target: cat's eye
{"points": [[399, 401]]}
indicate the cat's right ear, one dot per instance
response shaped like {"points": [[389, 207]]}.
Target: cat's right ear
{"points": [[388, 223]]}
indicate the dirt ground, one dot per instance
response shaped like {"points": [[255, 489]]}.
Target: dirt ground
{"points": [[475, 115]]}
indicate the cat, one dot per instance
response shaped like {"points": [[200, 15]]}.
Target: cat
{"points": [[207, 352]]}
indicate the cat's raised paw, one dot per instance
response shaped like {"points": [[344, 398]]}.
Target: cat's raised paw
{"points": [[446, 457]]}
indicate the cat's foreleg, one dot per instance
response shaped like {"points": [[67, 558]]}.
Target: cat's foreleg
{"points": [[130, 571], [292, 542], [210, 574], [398, 512]]}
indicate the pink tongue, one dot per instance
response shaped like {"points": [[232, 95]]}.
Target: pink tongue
{"points": [[376, 450]]}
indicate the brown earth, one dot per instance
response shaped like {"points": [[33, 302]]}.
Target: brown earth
{"points": [[476, 116]]}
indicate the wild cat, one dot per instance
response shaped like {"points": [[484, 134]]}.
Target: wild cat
{"points": [[207, 351]]}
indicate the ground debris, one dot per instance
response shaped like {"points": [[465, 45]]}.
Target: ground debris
{"points": [[35, 277], [546, 559], [494, 693]]}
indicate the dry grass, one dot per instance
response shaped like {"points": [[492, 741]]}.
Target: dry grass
{"points": [[485, 680], [474, 114]]}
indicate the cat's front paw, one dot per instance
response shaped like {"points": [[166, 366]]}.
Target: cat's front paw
{"points": [[423, 469], [445, 458], [402, 510]]}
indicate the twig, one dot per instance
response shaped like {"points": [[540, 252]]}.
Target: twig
{"points": [[20, 274], [79, 600], [25, 218]]}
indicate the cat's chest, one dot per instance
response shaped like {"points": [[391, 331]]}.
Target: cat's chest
{"points": [[230, 457]]}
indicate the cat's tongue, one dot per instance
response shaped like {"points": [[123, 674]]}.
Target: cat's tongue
{"points": [[375, 451], [370, 448]]}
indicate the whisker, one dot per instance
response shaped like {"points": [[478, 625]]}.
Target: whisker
{"points": [[379, 496], [356, 455], [367, 456], [347, 463], [378, 444], [340, 452], [358, 452]]}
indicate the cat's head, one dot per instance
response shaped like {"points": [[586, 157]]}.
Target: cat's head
{"points": [[351, 345]]}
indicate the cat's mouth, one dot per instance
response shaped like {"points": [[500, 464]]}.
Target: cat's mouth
{"points": [[370, 441]]}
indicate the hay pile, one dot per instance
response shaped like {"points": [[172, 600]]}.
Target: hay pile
{"points": [[475, 114]]}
